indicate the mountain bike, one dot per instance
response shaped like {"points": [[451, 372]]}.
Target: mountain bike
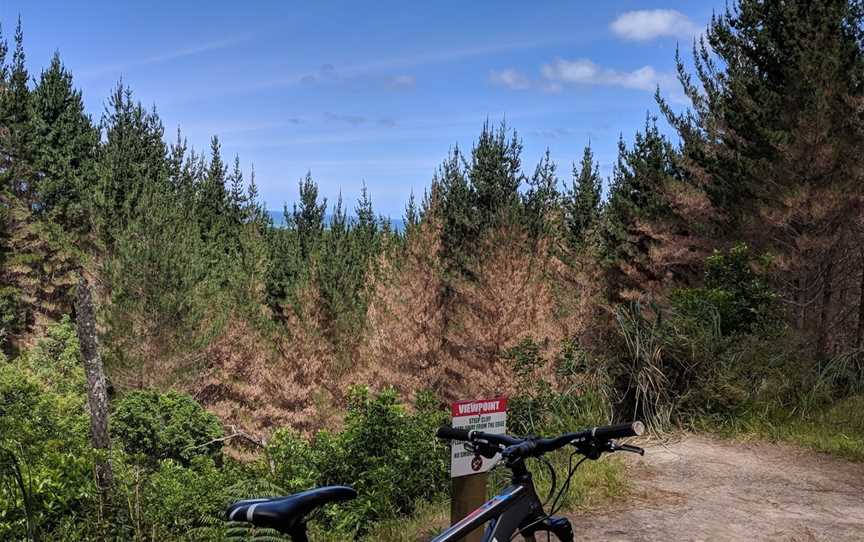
{"points": [[515, 511]]}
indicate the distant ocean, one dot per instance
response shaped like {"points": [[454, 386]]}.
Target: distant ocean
{"points": [[278, 217]]}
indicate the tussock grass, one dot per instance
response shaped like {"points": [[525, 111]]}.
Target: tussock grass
{"points": [[836, 429]]}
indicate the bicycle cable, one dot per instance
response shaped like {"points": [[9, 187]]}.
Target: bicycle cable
{"points": [[571, 470], [554, 477]]}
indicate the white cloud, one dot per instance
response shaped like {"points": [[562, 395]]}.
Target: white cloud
{"points": [[509, 78], [643, 25], [586, 72]]}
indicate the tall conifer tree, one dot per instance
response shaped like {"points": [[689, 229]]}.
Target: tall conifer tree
{"points": [[582, 201], [774, 136], [65, 149]]}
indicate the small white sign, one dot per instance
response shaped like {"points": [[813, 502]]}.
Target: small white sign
{"points": [[486, 415]]}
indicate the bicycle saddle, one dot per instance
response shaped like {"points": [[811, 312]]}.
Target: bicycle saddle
{"points": [[287, 514]]}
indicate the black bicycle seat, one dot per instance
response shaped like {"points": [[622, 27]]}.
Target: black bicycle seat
{"points": [[285, 514]]}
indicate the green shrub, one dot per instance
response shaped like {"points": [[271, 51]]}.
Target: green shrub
{"points": [[12, 315], [735, 294], [45, 467], [295, 465], [176, 498], [155, 426], [55, 360], [388, 454], [554, 394]]}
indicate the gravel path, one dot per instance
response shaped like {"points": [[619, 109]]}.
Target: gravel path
{"points": [[699, 489]]}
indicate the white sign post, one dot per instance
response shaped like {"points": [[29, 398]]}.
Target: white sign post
{"points": [[468, 470], [488, 416]]}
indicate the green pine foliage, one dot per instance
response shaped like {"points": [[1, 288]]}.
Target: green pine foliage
{"points": [[495, 171], [542, 198], [16, 114], [582, 200], [637, 199], [132, 162], [308, 217], [65, 143]]}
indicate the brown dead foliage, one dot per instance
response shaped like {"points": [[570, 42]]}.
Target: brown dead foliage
{"points": [[424, 331], [449, 334]]}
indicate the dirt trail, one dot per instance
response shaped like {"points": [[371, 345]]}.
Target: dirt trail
{"points": [[703, 489]]}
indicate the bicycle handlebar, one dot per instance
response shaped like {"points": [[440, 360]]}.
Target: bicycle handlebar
{"points": [[446, 432], [515, 448]]}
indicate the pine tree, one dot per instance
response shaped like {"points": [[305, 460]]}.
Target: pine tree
{"points": [[340, 278], [131, 160], [366, 226], [308, 217], [542, 197], [774, 137], [254, 210], [236, 192], [15, 116], [635, 213], [458, 212], [39, 264], [4, 154], [213, 199], [65, 143], [4, 68], [495, 173], [582, 200], [411, 218]]}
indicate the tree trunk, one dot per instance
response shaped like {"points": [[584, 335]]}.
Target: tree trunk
{"points": [[97, 392], [825, 311], [859, 342]]}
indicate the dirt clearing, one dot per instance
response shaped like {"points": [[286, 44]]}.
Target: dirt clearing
{"points": [[699, 488]]}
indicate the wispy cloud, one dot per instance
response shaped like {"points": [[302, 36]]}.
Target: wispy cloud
{"points": [[327, 72], [402, 81], [509, 78], [353, 120], [586, 72], [648, 24], [416, 59], [192, 50], [358, 120], [550, 133], [559, 73]]}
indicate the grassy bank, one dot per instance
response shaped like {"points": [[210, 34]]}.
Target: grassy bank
{"points": [[836, 429]]}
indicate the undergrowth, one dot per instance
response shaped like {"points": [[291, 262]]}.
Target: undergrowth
{"points": [[835, 428]]}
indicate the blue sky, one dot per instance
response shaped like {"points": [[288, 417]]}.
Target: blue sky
{"points": [[375, 93]]}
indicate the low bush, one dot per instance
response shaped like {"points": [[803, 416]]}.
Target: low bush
{"points": [[12, 316], [153, 426], [555, 393], [45, 460], [386, 452]]}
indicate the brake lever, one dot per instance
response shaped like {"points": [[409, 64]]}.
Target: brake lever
{"points": [[485, 449], [615, 447]]}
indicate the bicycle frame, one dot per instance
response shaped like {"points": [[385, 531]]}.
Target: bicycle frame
{"points": [[513, 509]]}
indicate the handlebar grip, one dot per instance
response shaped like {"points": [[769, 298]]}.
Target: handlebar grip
{"points": [[621, 430], [450, 433]]}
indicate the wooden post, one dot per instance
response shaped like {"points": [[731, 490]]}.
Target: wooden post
{"points": [[469, 493]]}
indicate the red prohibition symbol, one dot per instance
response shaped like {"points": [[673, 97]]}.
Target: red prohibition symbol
{"points": [[476, 463]]}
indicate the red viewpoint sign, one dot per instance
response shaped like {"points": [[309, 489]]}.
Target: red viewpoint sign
{"points": [[486, 415]]}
